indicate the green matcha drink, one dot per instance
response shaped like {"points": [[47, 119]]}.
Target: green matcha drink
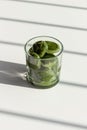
{"points": [[43, 61]]}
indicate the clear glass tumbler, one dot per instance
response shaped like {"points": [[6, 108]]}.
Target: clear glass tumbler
{"points": [[43, 72]]}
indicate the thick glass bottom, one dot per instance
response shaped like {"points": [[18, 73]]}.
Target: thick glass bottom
{"points": [[42, 84]]}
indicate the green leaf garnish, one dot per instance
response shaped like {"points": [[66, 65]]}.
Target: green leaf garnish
{"points": [[52, 47], [40, 48]]}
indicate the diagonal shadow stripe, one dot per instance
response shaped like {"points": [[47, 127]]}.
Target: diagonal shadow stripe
{"points": [[11, 43], [42, 119], [75, 53], [21, 45], [73, 84], [51, 4], [42, 24]]}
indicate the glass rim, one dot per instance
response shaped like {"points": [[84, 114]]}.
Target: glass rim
{"points": [[62, 48]]}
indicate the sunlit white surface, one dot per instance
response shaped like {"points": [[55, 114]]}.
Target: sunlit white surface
{"points": [[62, 107]]}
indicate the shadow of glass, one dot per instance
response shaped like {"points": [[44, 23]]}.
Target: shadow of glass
{"points": [[43, 119], [13, 74]]}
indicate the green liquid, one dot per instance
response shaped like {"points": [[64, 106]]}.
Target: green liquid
{"points": [[43, 67]]}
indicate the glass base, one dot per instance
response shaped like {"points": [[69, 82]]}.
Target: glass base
{"points": [[42, 84]]}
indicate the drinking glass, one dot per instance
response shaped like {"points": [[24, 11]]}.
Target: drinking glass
{"points": [[43, 72]]}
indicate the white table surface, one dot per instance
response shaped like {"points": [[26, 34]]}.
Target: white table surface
{"points": [[64, 106]]}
